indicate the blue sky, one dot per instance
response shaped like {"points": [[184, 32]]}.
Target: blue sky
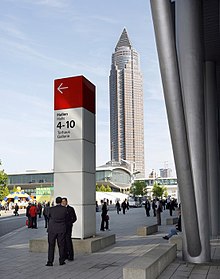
{"points": [[41, 40]]}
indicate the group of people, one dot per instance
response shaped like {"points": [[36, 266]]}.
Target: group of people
{"points": [[32, 211], [59, 222], [59, 227], [158, 206], [124, 206]]}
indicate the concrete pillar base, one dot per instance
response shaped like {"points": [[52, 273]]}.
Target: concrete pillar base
{"points": [[81, 246]]}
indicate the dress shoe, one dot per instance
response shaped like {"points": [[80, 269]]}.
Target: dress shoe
{"points": [[165, 237], [49, 264], [62, 263], [70, 259]]}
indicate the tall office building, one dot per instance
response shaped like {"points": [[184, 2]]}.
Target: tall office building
{"points": [[126, 106]]}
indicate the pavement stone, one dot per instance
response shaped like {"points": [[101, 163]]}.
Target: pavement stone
{"points": [[17, 262]]}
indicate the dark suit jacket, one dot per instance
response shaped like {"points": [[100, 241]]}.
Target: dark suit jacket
{"points": [[71, 216], [57, 219]]}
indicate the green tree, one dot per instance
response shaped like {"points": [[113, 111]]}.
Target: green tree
{"points": [[158, 190], [108, 189], [166, 194], [3, 184], [102, 188], [97, 188], [138, 188]]}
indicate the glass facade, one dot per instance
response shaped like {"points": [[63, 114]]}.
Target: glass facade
{"points": [[115, 175], [18, 179], [42, 183], [32, 183], [160, 181]]}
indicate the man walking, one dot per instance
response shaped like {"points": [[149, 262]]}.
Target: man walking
{"points": [[16, 210], [71, 218], [57, 231]]}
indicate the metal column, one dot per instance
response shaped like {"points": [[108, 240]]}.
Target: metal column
{"points": [[191, 180], [212, 145]]}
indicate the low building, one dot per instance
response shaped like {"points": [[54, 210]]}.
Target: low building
{"points": [[40, 184]]}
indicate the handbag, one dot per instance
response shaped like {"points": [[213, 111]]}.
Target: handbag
{"points": [[107, 217]]}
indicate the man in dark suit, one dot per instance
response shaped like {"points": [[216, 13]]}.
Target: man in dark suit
{"points": [[71, 218], [57, 231]]}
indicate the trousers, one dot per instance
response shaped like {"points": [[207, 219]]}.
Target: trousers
{"points": [[68, 244], [60, 237]]}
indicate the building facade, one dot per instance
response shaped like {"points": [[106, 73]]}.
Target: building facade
{"points": [[40, 185], [126, 106], [170, 183], [166, 172]]}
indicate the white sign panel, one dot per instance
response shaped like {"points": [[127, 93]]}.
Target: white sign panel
{"points": [[65, 124]]}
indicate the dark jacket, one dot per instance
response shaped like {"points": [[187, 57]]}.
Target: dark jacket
{"points": [[46, 211], [104, 210], [71, 216], [57, 219], [27, 210]]}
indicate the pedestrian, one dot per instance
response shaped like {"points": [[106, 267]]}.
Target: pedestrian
{"points": [[174, 231], [96, 207], [16, 210], [168, 203], [158, 211], [57, 231], [46, 214], [147, 208], [124, 206], [105, 217], [28, 215], [33, 216], [118, 207], [173, 204], [154, 207], [71, 219], [39, 209]]}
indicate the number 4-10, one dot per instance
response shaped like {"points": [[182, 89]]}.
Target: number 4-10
{"points": [[69, 124]]}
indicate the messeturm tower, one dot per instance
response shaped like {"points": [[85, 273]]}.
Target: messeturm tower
{"points": [[126, 106]]}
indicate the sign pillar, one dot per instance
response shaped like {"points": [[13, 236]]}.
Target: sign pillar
{"points": [[74, 150]]}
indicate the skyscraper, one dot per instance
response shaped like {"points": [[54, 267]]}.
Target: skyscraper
{"points": [[126, 106]]}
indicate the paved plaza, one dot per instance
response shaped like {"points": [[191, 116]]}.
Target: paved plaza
{"points": [[17, 262]]}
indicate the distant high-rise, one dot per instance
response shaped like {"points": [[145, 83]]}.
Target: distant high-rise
{"points": [[126, 106], [167, 172]]}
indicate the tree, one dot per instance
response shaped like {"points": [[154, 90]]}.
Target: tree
{"points": [[108, 189], [97, 188], [3, 184], [158, 190], [138, 188], [102, 188]]}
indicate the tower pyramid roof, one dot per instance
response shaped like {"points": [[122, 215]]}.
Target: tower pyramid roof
{"points": [[123, 40]]}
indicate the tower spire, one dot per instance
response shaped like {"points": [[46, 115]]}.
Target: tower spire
{"points": [[123, 40]]}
